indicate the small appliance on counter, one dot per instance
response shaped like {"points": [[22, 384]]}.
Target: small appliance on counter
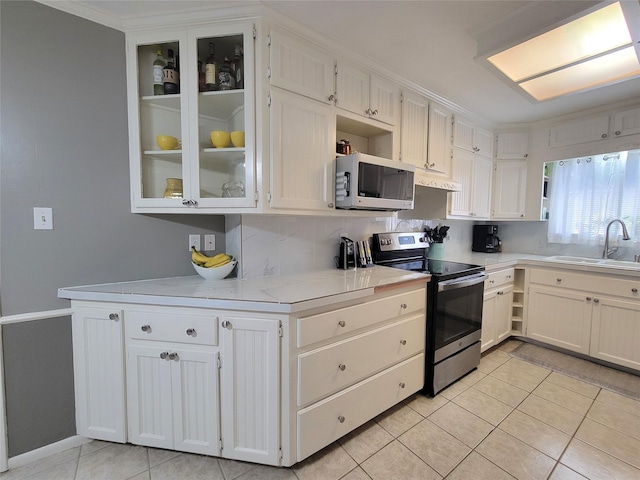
{"points": [[354, 254], [485, 239]]}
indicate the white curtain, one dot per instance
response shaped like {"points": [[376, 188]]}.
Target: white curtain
{"points": [[585, 194]]}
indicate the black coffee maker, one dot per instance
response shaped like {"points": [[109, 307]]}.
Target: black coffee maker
{"points": [[485, 239]]}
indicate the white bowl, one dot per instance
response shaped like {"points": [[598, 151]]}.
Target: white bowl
{"points": [[215, 273]]}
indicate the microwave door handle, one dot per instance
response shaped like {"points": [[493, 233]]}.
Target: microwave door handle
{"points": [[461, 283]]}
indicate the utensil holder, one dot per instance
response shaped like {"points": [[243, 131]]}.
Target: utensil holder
{"points": [[436, 250]]}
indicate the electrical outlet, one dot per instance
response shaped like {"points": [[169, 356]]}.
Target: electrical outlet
{"points": [[194, 241], [209, 242]]}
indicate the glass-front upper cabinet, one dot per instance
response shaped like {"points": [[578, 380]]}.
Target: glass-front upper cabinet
{"points": [[191, 112]]}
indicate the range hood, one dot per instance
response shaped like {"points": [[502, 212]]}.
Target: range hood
{"points": [[429, 180]]}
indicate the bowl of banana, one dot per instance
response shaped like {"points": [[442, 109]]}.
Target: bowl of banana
{"points": [[212, 268]]}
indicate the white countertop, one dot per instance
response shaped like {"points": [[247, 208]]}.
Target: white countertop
{"points": [[278, 294]]}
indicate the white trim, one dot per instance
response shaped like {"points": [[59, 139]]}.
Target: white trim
{"points": [[47, 451], [28, 317], [4, 451]]}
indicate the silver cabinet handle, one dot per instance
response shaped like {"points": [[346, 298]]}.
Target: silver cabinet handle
{"points": [[402, 385], [634, 290], [558, 280], [403, 342], [186, 201], [114, 316], [342, 323], [191, 332], [604, 135], [403, 306], [331, 98], [375, 112], [226, 324], [164, 355], [617, 132], [146, 328], [341, 419], [173, 356], [342, 367], [595, 300], [368, 111], [330, 205]]}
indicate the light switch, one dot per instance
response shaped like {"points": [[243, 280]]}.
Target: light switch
{"points": [[42, 218]]}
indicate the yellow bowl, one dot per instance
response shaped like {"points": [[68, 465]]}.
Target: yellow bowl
{"points": [[220, 139], [167, 142], [237, 138]]}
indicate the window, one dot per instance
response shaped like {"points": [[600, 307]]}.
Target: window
{"points": [[587, 193]]}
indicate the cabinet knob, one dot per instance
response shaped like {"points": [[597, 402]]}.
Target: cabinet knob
{"points": [[341, 419], [146, 328], [617, 132], [604, 135], [368, 111], [526, 155], [403, 306], [114, 316], [330, 205], [164, 355], [634, 290], [588, 299], [403, 342], [226, 324], [191, 332], [431, 165], [342, 323], [402, 385], [173, 356], [185, 201], [331, 98], [595, 300], [558, 280], [342, 367], [375, 112]]}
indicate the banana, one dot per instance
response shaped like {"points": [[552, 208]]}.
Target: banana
{"points": [[219, 261], [197, 257]]}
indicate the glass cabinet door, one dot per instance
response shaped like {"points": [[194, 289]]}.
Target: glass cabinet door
{"points": [[223, 115], [158, 121]]}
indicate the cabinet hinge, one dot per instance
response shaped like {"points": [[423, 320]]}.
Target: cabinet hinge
{"points": [[256, 196], [255, 32], [269, 40], [280, 331], [280, 453], [220, 444], [335, 69], [218, 361], [401, 97], [269, 197], [268, 100], [269, 73]]}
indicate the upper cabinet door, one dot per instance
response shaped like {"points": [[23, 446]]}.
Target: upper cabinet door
{"points": [[509, 190], [626, 122], [299, 67], [483, 141], [579, 131], [414, 129], [352, 87], [439, 145], [463, 131], [513, 146], [384, 103]]}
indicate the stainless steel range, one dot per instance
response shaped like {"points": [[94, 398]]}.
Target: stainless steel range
{"points": [[454, 306]]}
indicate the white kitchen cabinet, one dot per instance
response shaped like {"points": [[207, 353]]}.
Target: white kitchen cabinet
{"points": [[300, 67], [615, 331], [98, 365], [361, 92], [579, 131], [497, 308], [469, 136], [474, 173], [250, 388], [414, 129], [512, 146], [626, 122], [213, 179], [172, 380], [509, 190], [302, 154], [439, 139]]}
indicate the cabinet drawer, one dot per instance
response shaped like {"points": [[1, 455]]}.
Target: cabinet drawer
{"points": [[345, 320], [329, 369], [180, 326], [326, 421], [592, 283], [499, 278]]}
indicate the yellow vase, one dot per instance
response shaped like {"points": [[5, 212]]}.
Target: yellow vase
{"points": [[174, 188]]}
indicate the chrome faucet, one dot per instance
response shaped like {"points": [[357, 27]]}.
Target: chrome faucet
{"points": [[625, 236]]}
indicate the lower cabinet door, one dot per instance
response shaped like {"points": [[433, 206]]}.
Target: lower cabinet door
{"points": [[98, 362], [488, 334], [503, 313], [560, 317], [615, 331], [149, 395], [335, 416]]}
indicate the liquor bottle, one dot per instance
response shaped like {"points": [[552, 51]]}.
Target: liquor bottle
{"points": [[202, 84], [158, 65], [226, 76], [211, 70], [238, 67], [170, 76]]}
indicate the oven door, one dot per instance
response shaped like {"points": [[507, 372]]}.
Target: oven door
{"points": [[458, 310]]}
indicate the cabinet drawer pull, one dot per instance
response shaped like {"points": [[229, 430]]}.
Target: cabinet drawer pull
{"points": [[403, 306], [191, 332], [342, 367], [634, 290], [558, 280], [114, 316], [588, 299], [173, 356], [403, 342], [146, 328], [402, 385], [595, 300], [164, 355], [341, 419], [226, 324], [342, 323]]}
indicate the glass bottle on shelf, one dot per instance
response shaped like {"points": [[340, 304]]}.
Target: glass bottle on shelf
{"points": [[158, 66], [202, 83], [226, 76], [170, 76], [211, 70], [238, 67]]}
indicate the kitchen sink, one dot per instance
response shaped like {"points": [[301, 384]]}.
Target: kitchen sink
{"points": [[605, 262]]}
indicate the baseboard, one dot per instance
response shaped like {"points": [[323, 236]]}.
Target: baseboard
{"points": [[47, 451]]}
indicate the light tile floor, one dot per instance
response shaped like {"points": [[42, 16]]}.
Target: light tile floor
{"points": [[509, 419]]}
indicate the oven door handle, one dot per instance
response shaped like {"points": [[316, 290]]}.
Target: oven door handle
{"points": [[462, 282]]}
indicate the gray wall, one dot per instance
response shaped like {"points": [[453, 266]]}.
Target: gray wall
{"points": [[64, 145]]}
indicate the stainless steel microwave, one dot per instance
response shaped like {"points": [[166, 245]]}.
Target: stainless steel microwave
{"points": [[366, 182]]}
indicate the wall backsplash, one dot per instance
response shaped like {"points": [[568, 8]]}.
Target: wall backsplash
{"points": [[273, 245]]}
